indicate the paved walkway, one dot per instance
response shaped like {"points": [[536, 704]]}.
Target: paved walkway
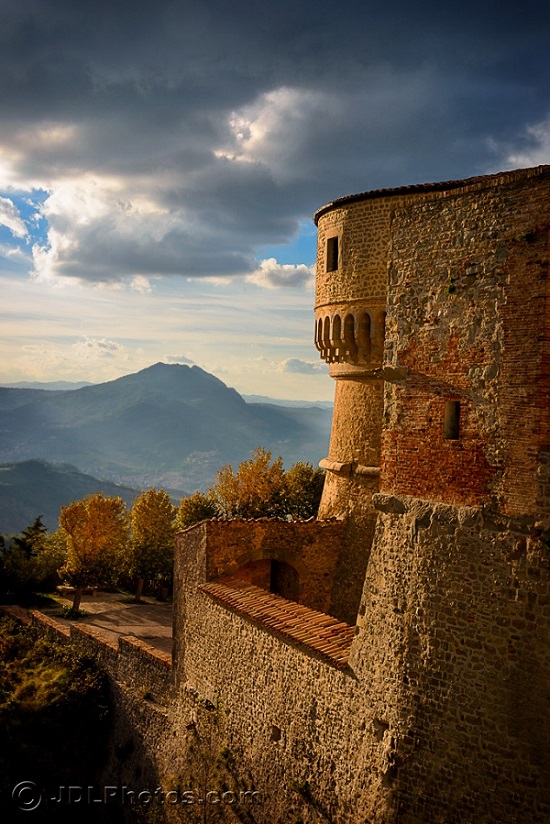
{"points": [[116, 614]]}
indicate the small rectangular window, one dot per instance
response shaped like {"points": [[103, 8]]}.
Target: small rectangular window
{"points": [[451, 422], [332, 254]]}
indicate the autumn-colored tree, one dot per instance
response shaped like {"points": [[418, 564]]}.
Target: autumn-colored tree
{"points": [[304, 487], [255, 490], [259, 488], [195, 508], [97, 531], [151, 549]]}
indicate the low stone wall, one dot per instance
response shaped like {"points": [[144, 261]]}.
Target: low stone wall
{"points": [[131, 661]]}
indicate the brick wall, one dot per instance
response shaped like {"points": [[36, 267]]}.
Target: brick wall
{"points": [[311, 547], [467, 315]]}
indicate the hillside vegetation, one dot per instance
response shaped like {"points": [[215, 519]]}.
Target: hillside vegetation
{"points": [[55, 721]]}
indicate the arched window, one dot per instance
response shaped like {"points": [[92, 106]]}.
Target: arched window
{"points": [[284, 580], [327, 350], [364, 335], [319, 335], [336, 338], [349, 335], [326, 333]]}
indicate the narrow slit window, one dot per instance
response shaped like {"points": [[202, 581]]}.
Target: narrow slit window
{"points": [[332, 254], [451, 422]]}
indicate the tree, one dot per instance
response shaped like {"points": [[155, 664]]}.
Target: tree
{"points": [[304, 487], [97, 531], [259, 488], [256, 490], [195, 508], [151, 549], [32, 538], [29, 561]]}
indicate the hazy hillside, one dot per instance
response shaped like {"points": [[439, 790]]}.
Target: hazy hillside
{"points": [[34, 488], [49, 385], [168, 425]]}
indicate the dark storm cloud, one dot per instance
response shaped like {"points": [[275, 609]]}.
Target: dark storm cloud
{"points": [[175, 137]]}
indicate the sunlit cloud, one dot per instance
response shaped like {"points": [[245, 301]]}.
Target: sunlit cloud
{"points": [[300, 367], [178, 359], [272, 275], [9, 216]]}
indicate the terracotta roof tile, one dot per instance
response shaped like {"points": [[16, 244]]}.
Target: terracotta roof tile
{"points": [[316, 632]]}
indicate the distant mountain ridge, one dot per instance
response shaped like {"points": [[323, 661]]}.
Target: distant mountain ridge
{"points": [[52, 386], [32, 488], [167, 425]]}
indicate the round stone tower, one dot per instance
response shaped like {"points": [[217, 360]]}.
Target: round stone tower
{"points": [[350, 309]]}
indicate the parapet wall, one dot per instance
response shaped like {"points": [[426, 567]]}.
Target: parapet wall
{"points": [[215, 548], [130, 661]]}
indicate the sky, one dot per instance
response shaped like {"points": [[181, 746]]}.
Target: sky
{"points": [[160, 163]]}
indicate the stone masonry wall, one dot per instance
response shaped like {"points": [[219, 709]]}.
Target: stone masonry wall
{"points": [[466, 316], [311, 547], [443, 713], [464, 599], [304, 733], [363, 230], [131, 661]]}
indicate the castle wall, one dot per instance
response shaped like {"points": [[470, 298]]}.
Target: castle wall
{"points": [[363, 230], [454, 632], [312, 548], [466, 316], [304, 734], [455, 617]]}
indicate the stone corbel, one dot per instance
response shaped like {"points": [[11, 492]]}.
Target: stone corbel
{"points": [[336, 467]]}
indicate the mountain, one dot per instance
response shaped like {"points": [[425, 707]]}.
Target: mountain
{"points": [[32, 488], [168, 425], [279, 402], [50, 385]]}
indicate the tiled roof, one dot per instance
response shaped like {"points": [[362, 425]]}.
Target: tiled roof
{"points": [[316, 632], [432, 187]]}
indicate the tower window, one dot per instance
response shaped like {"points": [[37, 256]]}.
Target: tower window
{"points": [[451, 421], [332, 254]]}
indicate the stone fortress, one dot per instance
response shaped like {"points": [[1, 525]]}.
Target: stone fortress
{"points": [[389, 661]]}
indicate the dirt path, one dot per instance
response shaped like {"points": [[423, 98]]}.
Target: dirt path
{"points": [[115, 614]]}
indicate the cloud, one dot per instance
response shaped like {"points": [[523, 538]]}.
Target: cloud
{"points": [[301, 367], [90, 349], [98, 358], [9, 216], [537, 149], [176, 141], [178, 359], [273, 275]]}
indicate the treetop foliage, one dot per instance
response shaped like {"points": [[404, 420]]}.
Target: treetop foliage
{"points": [[151, 549], [97, 529], [99, 540], [259, 488]]}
